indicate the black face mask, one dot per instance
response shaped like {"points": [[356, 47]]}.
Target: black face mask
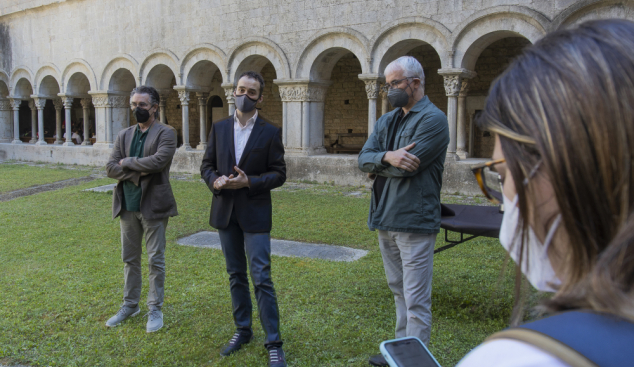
{"points": [[141, 115]]}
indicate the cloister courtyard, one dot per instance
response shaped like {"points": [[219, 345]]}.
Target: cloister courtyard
{"points": [[62, 277]]}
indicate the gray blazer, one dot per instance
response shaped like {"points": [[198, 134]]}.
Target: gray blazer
{"points": [[157, 199]]}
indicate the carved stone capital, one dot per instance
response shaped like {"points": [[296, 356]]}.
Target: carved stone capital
{"points": [[453, 80], [464, 88], [68, 102], [31, 105], [57, 102], [5, 105], [119, 101], [229, 93], [383, 93], [100, 101], [293, 93], [202, 98], [183, 95], [85, 102], [15, 104], [372, 88], [39, 103]]}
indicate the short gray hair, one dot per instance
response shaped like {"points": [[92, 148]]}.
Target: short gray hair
{"points": [[410, 66], [155, 97]]}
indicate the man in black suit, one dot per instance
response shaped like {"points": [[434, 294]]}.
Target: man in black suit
{"points": [[243, 162]]}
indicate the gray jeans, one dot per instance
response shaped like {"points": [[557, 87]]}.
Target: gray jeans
{"points": [[133, 227], [408, 259]]}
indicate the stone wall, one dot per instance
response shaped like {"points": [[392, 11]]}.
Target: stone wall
{"points": [[434, 83], [271, 106], [346, 105]]}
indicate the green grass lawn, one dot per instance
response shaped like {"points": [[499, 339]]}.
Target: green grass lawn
{"points": [[19, 176], [62, 278]]}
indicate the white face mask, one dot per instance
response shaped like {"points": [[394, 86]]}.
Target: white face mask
{"points": [[535, 265]]}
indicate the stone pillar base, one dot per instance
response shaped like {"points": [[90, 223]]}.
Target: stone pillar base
{"points": [[86, 142], [58, 142], [185, 147], [451, 157], [41, 143], [202, 146], [304, 152], [462, 155], [68, 144], [32, 141], [17, 142], [102, 145]]}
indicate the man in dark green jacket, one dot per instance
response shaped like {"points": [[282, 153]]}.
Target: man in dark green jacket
{"points": [[406, 155]]}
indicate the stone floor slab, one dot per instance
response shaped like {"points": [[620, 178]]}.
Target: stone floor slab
{"points": [[208, 239], [104, 188]]}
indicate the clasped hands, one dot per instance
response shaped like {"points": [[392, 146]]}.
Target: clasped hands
{"points": [[231, 182]]}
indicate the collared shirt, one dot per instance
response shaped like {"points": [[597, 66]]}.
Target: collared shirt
{"points": [[131, 192], [241, 134]]}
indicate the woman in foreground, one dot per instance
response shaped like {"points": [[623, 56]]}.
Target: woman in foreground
{"points": [[563, 115]]}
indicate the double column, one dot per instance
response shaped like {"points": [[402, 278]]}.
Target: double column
{"points": [[202, 104], [456, 116], [67, 101], [59, 106], [183, 95], [103, 119], [372, 89], [85, 104], [15, 105], [33, 122], [303, 116], [39, 104], [5, 121], [231, 102]]}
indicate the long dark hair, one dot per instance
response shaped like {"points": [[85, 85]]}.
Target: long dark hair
{"points": [[567, 104]]}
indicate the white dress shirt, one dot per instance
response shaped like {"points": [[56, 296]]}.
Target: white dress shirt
{"points": [[241, 134]]}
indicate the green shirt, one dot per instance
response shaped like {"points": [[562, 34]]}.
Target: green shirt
{"points": [[131, 192]]}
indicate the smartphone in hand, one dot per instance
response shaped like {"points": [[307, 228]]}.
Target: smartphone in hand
{"points": [[407, 352]]}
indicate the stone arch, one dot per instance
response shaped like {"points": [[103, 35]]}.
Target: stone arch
{"points": [[201, 63], [4, 84], [71, 84], [397, 39], [328, 47], [486, 28], [121, 62], [47, 81], [21, 82], [163, 59], [253, 54], [593, 9]]}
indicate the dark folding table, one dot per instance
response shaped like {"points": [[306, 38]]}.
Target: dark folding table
{"points": [[471, 220]]}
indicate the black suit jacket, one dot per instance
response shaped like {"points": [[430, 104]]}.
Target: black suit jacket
{"points": [[262, 161]]}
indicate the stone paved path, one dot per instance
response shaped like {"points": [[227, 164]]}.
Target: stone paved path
{"points": [[42, 188], [283, 248]]}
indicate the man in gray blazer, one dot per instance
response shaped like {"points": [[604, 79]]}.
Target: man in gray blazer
{"points": [[143, 199]]}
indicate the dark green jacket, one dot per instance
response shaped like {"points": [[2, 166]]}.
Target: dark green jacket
{"points": [[411, 200]]}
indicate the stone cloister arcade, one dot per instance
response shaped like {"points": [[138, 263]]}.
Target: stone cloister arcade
{"points": [[330, 87]]}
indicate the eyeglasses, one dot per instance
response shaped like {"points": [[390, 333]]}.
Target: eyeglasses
{"points": [[492, 188], [387, 86], [141, 104]]}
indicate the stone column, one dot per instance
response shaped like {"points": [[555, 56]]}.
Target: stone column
{"points": [[100, 101], [303, 119], [15, 104], [228, 87], [202, 104], [453, 83], [119, 115], [109, 138], [68, 104], [461, 126], [184, 97], [5, 121], [57, 102], [162, 105], [33, 122], [372, 87], [385, 105], [85, 104], [39, 104]]}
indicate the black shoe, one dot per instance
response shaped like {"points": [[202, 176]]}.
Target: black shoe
{"points": [[378, 360], [236, 343], [277, 357]]}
